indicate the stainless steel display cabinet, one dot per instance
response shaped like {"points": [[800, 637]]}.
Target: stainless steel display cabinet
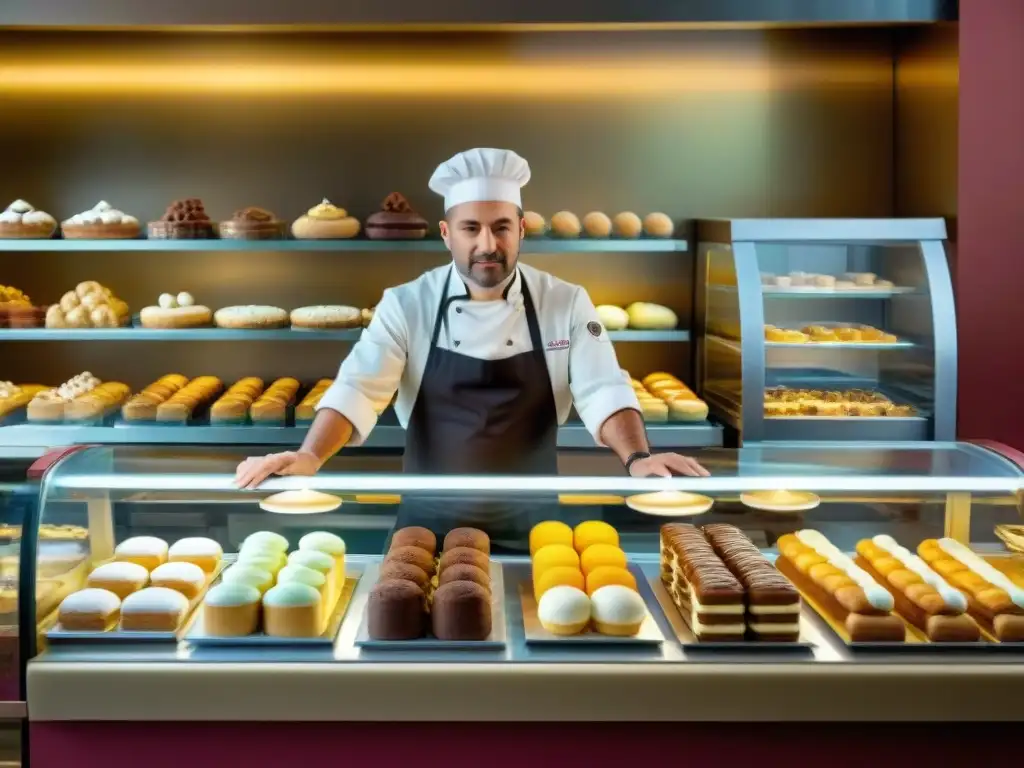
{"points": [[827, 329]]}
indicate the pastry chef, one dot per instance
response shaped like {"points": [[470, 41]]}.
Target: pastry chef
{"points": [[487, 356]]}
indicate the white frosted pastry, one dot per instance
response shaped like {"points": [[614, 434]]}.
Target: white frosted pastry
{"points": [[304, 575], [264, 559], [293, 609], [153, 609], [204, 552], [877, 596], [312, 558], [564, 610], [249, 575], [187, 578], [89, 610], [329, 544], [231, 610], [120, 578], [147, 551], [617, 610], [268, 539]]}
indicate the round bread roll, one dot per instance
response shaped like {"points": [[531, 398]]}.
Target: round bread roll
{"points": [[597, 224], [536, 225], [565, 224], [658, 225], [627, 224], [612, 318], [251, 316], [327, 316]]}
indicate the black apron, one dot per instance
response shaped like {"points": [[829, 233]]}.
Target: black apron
{"points": [[477, 417]]}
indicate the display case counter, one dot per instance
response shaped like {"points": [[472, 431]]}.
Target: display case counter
{"points": [[952, 492]]}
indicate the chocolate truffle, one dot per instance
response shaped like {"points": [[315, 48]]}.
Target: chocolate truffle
{"points": [[414, 536], [399, 571], [395, 611], [473, 538], [413, 556], [466, 572], [464, 555], [462, 611]]}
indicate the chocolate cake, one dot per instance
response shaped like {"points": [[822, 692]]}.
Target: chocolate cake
{"points": [[399, 571], [183, 220], [415, 536], [466, 556], [473, 538], [395, 611], [252, 224], [396, 221], [413, 556], [466, 572], [773, 604], [462, 611]]}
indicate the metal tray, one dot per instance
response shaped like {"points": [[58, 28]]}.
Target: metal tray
{"points": [[496, 640], [649, 634], [195, 633], [900, 343], [687, 639]]}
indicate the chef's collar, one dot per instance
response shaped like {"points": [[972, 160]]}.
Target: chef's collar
{"points": [[512, 286]]}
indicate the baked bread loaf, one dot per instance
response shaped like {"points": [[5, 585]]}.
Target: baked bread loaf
{"points": [[50, 404], [233, 406], [306, 409], [102, 221], [183, 404], [98, 402], [327, 316], [13, 396], [183, 220], [254, 316], [663, 397], [272, 406], [21, 221], [252, 224], [142, 407], [325, 221]]}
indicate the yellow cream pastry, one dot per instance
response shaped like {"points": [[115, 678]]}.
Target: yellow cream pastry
{"points": [[293, 609], [231, 610], [594, 532], [559, 576], [247, 574], [549, 532], [597, 555], [325, 221], [609, 574], [554, 556], [264, 559]]}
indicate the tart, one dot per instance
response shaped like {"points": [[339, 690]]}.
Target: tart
{"points": [[252, 224], [102, 221], [327, 316], [20, 220], [179, 311], [325, 221], [183, 220], [396, 220]]}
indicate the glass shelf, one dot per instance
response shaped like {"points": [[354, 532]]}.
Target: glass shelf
{"points": [[840, 345], [355, 245]]}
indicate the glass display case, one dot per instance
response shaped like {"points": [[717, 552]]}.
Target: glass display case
{"points": [[827, 329]]}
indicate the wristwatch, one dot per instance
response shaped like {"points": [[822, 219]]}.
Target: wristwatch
{"points": [[636, 456]]}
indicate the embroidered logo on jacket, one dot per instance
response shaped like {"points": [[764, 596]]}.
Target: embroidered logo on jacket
{"points": [[594, 328], [560, 344]]}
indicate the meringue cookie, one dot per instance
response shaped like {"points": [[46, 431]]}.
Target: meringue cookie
{"points": [[20, 206]]}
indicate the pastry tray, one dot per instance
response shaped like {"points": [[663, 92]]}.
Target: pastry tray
{"points": [[195, 633], [916, 641], [900, 343], [812, 290], [55, 633], [686, 638], [649, 634], [495, 640]]}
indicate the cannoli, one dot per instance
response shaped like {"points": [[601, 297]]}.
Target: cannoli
{"points": [[921, 595], [993, 600], [839, 587]]}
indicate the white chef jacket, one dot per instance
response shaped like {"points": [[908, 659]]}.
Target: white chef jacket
{"points": [[392, 352]]}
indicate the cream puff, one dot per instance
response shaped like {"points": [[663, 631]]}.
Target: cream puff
{"points": [[658, 225], [187, 578], [21, 221], [536, 225], [325, 221], [627, 225], [204, 552], [597, 224], [565, 224], [617, 610], [102, 222], [564, 610], [147, 551]]}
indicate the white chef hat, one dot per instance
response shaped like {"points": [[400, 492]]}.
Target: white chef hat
{"points": [[481, 175]]}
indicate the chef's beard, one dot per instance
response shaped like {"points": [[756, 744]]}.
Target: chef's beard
{"points": [[486, 278]]}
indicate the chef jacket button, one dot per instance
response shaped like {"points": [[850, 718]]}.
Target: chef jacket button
{"points": [[508, 343], [458, 310], [456, 343]]}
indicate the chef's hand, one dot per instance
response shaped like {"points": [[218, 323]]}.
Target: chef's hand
{"points": [[256, 469], [667, 465]]}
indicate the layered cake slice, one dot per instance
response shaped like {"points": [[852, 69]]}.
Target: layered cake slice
{"points": [[773, 604], [708, 596]]}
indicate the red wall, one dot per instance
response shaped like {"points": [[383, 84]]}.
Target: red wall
{"points": [[990, 254]]}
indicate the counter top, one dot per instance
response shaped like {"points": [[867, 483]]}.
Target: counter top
{"points": [[522, 683]]}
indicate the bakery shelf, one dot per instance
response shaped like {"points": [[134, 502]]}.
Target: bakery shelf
{"points": [[701, 434], [530, 245], [821, 294], [839, 345], [234, 334]]}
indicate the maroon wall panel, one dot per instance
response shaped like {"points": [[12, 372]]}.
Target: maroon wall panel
{"points": [[990, 264]]}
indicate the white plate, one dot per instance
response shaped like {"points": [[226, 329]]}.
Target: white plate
{"points": [[751, 500], [670, 503], [300, 503]]}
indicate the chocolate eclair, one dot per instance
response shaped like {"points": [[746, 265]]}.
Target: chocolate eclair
{"points": [[396, 220]]}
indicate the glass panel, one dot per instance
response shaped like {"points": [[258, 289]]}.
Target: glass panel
{"points": [[16, 499]]}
